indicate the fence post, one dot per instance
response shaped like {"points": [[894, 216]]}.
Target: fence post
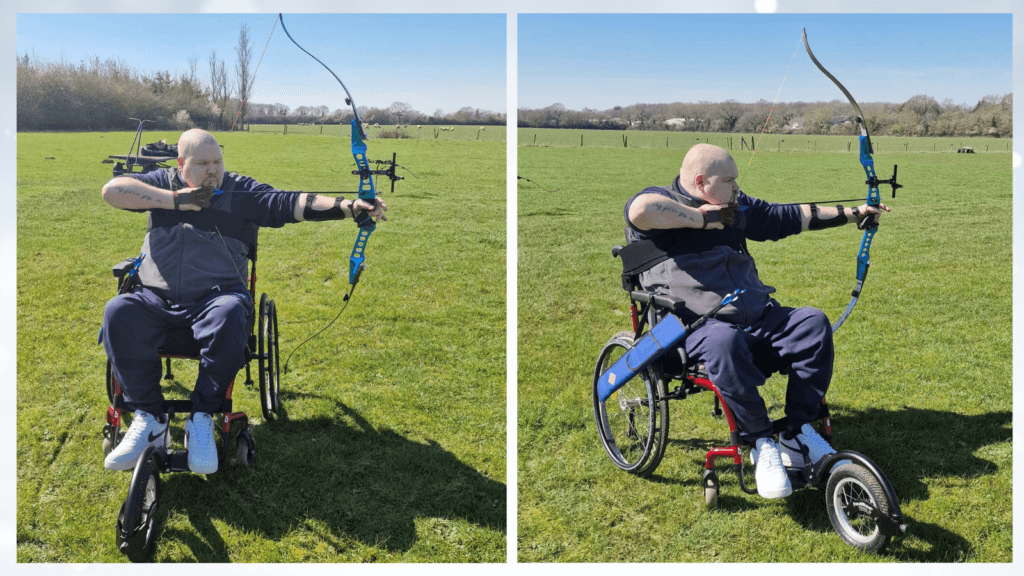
{"points": [[286, 129]]}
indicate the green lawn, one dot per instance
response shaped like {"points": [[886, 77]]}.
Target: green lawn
{"points": [[392, 444], [922, 381]]}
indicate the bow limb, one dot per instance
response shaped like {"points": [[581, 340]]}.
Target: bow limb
{"points": [[873, 198], [357, 261]]}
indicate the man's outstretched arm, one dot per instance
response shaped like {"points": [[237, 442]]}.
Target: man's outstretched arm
{"points": [[315, 208], [131, 194]]}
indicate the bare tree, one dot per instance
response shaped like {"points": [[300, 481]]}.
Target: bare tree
{"points": [[243, 69], [220, 93], [193, 63], [400, 109], [554, 114]]}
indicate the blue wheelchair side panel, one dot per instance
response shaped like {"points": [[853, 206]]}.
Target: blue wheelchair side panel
{"points": [[661, 337]]}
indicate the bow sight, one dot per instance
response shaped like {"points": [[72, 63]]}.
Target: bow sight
{"points": [[389, 172]]}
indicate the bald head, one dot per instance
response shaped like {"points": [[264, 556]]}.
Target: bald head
{"points": [[200, 161], [706, 159], [709, 173], [192, 139]]}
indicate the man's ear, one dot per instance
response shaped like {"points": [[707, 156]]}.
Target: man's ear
{"points": [[699, 181], [181, 162]]}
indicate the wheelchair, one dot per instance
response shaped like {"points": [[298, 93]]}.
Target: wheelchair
{"points": [[136, 521], [633, 420]]}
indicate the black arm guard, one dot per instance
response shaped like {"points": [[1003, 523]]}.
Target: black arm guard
{"points": [[820, 224], [333, 213]]}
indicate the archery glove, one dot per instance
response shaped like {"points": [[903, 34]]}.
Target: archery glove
{"points": [[200, 197]]}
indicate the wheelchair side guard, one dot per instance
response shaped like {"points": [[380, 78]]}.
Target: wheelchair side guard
{"points": [[662, 336], [648, 349]]}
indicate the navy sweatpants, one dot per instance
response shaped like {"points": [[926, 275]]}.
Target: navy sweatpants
{"points": [[136, 324], [738, 360]]}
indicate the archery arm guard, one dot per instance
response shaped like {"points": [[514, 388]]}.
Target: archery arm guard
{"points": [[819, 223], [335, 212]]}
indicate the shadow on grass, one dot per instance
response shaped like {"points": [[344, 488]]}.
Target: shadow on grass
{"points": [[910, 445], [330, 479]]}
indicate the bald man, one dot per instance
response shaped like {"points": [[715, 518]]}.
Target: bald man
{"points": [[700, 225], [202, 226]]}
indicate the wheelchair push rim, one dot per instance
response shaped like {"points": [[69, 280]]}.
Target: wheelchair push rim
{"points": [[269, 359], [632, 422]]}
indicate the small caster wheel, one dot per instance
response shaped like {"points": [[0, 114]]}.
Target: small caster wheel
{"points": [[711, 486], [245, 449]]}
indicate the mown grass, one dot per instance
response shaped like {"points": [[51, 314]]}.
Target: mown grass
{"points": [[413, 131], [392, 446], [568, 138], [922, 381]]}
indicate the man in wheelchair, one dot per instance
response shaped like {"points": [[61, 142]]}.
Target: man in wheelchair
{"points": [[698, 228], [202, 224]]}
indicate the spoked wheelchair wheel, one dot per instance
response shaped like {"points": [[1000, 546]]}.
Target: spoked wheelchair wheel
{"points": [[136, 522], [854, 498], [633, 421], [269, 359]]}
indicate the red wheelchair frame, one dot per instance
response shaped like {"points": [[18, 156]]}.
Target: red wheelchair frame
{"points": [[633, 425]]}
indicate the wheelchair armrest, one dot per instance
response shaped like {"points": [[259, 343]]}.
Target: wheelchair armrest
{"points": [[666, 302], [122, 267]]}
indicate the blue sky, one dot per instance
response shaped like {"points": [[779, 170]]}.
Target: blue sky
{"points": [[603, 60], [431, 61]]}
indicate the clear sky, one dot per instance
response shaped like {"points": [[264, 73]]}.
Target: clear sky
{"points": [[603, 60], [431, 61]]}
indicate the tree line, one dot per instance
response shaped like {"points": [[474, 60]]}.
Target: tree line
{"points": [[919, 116], [100, 95]]}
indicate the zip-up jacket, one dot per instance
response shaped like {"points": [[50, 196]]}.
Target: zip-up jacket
{"points": [[706, 265], [189, 254]]}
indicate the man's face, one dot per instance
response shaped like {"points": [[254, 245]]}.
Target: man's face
{"points": [[205, 167], [719, 183]]}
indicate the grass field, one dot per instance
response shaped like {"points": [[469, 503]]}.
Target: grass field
{"points": [[421, 132], [546, 137], [922, 381], [392, 446]]}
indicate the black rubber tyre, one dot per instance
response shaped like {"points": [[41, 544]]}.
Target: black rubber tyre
{"points": [[851, 493], [633, 422], [269, 359], [711, 489], [136, 522], [245, 449], [112, 436]]}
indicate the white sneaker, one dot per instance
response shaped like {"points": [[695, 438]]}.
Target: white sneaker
{"points": [[817, 447], [199, 442], [769, 473], [145, 431]]}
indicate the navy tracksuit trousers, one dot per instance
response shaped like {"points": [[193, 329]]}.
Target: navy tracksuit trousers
{"points": [[738, 360], [136, 324]]}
